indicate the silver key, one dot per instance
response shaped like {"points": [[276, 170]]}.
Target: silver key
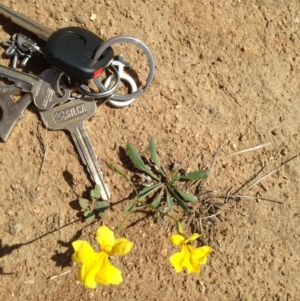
{"points": [[11, 110], [41, 87], [41, 31], [71, 116]]}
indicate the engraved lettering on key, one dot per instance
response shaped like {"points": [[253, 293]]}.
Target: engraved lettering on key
{"points": [[65, 115], [41, 87], [49, 93], [70, 116]]}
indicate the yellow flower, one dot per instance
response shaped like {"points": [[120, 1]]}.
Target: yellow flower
{"points": [[189, 257], [95, 266]]}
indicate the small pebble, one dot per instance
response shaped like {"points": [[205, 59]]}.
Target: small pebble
{"points": [[93, 17], [274, 132], [29, 281], [202, 286], [14, 186], [10, 213], [283, 152], [164, 252], [14, 229], [81, 19]]}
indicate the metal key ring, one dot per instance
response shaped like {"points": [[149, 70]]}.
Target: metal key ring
{"points": [[140, 44], [116, 102], [83, 90]]}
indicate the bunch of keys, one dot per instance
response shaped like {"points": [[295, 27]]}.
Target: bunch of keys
{"points": [[81, 55]]}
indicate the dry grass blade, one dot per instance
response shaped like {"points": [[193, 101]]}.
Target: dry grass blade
{"points": [[271, 172], [249, 149], [213, 210], [201, 231], [214, 215], [239, 196], [59, 275]]}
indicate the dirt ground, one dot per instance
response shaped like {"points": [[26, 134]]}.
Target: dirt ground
{"points": [[227, 79]]}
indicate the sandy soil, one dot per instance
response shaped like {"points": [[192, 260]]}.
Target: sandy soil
{"points": [[227, 79]]}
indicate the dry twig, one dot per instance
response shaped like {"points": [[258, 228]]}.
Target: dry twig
{"points": [[214, 209], [45, 152]]}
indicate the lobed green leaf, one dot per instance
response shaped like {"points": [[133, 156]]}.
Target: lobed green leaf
{"points": [[138, 162], [115, 168], [195, 175], [179, 201], [170, 202], [154, 155], [84, 203], [87, 213], [96, 192], [101, 205], [188, 197], [157, 200], [90, 218], [130, 207], [174, 179], [148, 190]]}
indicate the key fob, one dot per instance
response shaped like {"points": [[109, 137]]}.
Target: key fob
{"points": [[71, 50]]}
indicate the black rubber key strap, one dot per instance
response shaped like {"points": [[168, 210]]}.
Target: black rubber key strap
{"points": [[72, 49]]}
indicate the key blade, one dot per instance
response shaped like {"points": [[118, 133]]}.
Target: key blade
{"points": [[70, 116], [29, 24], [89, 157], [26, 82]]}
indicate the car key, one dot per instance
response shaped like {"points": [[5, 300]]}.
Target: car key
{"points": [[70, 50], [41, 87], [70, 116]]}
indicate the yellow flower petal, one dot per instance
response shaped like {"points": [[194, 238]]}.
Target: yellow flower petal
{"points": [[121, 246], [87, 275], [190, 258], [188, 261], [176, 261], [202, 253], [84, 253], [176, 239], [87, 272], [105, 238], [192, 238], [95, 267], [82, 272], [108, 274]]}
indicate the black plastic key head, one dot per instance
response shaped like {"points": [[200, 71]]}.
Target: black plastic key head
{"points": [[71, 50]]}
